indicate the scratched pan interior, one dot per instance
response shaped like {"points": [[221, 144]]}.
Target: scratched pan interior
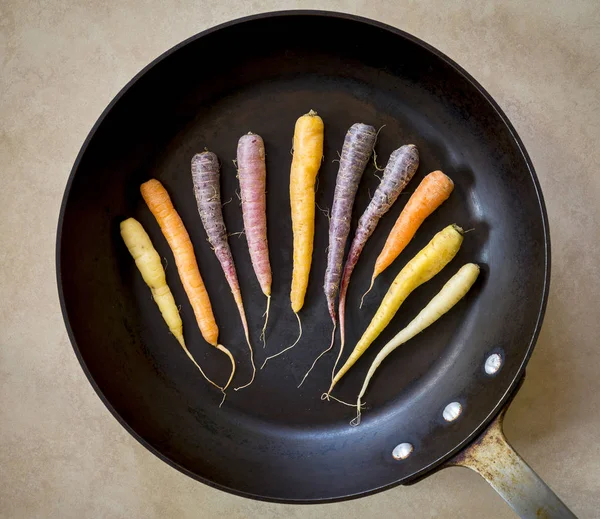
{"points": [[274, 441]]}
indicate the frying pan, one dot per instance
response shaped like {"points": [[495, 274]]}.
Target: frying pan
{"points": [[273, 441]]}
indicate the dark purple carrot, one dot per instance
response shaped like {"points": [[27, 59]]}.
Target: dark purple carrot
{"points": [[357, 149], [356, 152], [205, 174], [401, 167], [252, 173]]}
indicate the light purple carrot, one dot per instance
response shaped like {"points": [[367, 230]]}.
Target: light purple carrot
{"points": [[205, 174], [400, 169], [252, 173], [356, 152]]}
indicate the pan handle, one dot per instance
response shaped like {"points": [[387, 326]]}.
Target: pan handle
{"points": [[492, 457]]}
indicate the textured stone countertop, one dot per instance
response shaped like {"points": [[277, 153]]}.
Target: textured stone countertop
{"points": [[62, 454]]}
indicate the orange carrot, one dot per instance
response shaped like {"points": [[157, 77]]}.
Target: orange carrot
{"points": [[432, 192], [171, 225]]}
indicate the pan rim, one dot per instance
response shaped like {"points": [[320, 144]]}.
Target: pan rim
{"points": [[519, 374]]}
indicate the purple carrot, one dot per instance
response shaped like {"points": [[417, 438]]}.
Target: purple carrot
{"points": [[400, 169], [252, 173], [356, 152], [357, 149], [205, 174]]}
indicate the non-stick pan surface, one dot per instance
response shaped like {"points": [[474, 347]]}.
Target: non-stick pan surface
{"points": [[272, 440]]}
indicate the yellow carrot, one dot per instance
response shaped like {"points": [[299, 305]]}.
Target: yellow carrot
{"points": [[308, 154], [426, 264], [148, 263], [171, 225]]}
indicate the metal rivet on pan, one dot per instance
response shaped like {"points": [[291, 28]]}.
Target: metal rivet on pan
{"points": [[493, 363], [402, 451], [452, 411]]}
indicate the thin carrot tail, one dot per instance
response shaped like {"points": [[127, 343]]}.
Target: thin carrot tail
{"points": [[245, 324], [328, 397], [342, 314], [289, 347], [370, 287], [189, 354], [264, 329], [337, 360], [350, 361], [222, 348], [356, 421], [322, 353], [240, 306], [253, 368], [333, 379]]}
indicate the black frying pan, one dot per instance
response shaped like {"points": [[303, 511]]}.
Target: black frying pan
{"points": [[273, 441]]}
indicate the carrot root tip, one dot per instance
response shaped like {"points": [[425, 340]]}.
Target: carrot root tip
{"points": [[289, 347], [321, 354], [363, 296], [355, 422], [223, 399], [266, 316], [222, 348], [251, 361], [339, 401], [191, 357]]}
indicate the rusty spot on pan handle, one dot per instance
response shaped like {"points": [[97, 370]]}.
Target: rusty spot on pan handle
{"points": [[492, 457]]}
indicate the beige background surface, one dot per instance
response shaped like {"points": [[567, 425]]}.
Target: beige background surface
{"points": [[62, 455]]}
